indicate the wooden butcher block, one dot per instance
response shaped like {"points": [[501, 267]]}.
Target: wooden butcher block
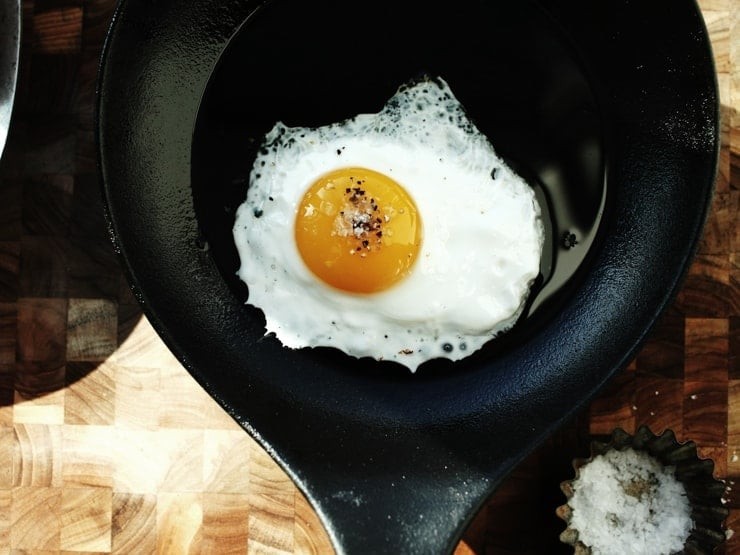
{"points": [[107, 445]]}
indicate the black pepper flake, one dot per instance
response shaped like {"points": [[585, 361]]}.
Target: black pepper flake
{"points": [[406, 352], [493, 173], [363, 218], [447, 347], [258, 213], [270, 198], [339, 151], [463, 346], [569, 240]]}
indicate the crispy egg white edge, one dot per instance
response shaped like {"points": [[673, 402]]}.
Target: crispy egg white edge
{"points": [[416, 304]]}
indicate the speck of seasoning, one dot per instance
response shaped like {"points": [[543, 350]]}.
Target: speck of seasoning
{"points": [[406, 352], [386, 336], [463, 346], [339, 151], [447, 347], [361, 219], [493, 173], [270, 198], [258, 213], [569, 240]]}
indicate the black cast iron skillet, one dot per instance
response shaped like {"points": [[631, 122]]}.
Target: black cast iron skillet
{"points": [[609, 108], [10, 44]]}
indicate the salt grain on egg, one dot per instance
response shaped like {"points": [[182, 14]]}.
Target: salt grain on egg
{"points": [[627, 502]]}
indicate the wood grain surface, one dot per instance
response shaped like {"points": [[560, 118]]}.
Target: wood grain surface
{"points": [[107, 445]]}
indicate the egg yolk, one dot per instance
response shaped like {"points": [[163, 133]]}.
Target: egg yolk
{"points": [[358, 230]]}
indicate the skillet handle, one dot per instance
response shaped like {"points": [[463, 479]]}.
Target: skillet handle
{"points": [[392, 513]]}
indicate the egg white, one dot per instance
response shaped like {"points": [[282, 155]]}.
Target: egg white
{"points": [[482, 233]]}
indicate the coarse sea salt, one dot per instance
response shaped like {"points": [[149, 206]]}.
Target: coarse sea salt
{"points": [[626, 502]]}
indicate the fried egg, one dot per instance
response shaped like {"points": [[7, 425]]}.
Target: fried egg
{"points": [[399, 235]]}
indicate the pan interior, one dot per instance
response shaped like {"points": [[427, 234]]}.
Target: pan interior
{"points": [[311, 64]]}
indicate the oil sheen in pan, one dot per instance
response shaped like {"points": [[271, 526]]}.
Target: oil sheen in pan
{"points": [[303, 65]]}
